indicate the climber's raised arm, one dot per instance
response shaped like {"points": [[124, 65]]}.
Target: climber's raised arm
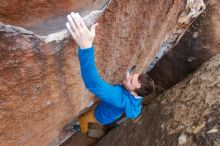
{"points": [[84, 38], [115, 100]]}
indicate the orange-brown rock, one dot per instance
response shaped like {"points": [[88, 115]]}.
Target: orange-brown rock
{"points": [[40, 88], [40, 84]]}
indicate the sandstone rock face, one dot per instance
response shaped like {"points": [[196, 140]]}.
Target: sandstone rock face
{"points": [[41, 89], [199, 44], [186, 115]]}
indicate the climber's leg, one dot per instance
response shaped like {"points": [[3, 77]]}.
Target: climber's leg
{"points": [[85, 119]]}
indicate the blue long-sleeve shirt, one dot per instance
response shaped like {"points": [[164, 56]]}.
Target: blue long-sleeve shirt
{"points": [[115, 99]]}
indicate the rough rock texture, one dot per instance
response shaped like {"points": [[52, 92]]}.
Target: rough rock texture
{"points": [[187, 114], [199, 44], [124, 39], [41, 89]]}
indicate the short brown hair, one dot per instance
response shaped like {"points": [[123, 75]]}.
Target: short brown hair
{"points": [[147, 85]]}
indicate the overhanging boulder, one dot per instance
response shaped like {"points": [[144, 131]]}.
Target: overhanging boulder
{"points": [[40, 84]]}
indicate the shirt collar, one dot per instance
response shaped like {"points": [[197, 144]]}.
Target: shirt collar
{"points": [[138, 97]]}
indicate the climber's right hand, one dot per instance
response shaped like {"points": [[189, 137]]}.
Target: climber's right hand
{"points": [[79, 31]]}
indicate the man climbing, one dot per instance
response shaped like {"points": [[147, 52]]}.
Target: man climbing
{"points": [[115, 99]]}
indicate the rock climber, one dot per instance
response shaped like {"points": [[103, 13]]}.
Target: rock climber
{"points": [[115, 100]]}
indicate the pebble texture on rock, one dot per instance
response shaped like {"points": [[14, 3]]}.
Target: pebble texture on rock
{"points": [[186, 115]]}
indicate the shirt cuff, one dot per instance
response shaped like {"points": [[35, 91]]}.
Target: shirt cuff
{"points": [[86, 48]]}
